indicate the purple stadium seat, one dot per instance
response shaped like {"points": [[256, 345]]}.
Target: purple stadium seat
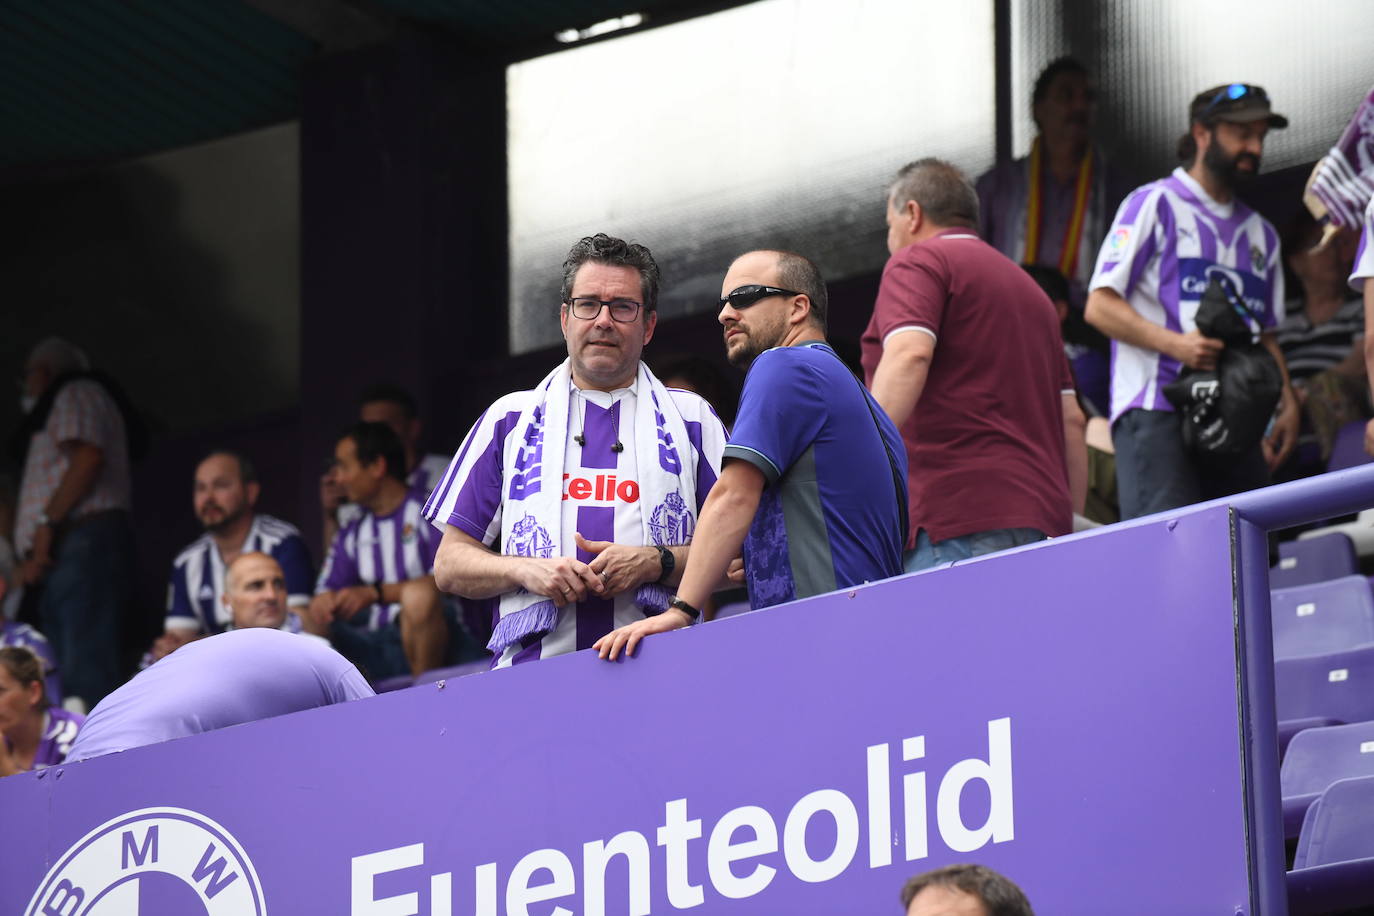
{"points": [[731, 610], [1314, 560], [1325, 689], [1348, 449], [1323, 617], [1333, 870], [1316, 758], [1339, 826], [399, 682], [448, 674]]}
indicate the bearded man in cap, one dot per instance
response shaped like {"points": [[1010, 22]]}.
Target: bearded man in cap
{"points": [[1170, 238]]}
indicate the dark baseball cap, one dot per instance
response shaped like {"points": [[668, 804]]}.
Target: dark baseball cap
{"points": [[1238, 103]]}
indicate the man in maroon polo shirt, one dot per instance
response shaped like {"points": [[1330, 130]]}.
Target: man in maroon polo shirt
{"points": [[996, 446]]}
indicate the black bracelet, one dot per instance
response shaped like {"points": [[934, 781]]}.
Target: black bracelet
{"points": [[685, 608], [381, 599]]}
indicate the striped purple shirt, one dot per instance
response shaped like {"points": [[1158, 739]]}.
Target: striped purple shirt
{"points": [[60, 728], [1168, 240], [381, 550], [600, 495]]}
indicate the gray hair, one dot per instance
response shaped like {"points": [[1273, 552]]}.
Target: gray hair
{"points": [[59, 356], [946, 196], [604, 249]]}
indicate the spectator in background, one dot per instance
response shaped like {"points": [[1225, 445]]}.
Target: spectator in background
{"points": [[813, 485], [397, 408], [964, 890], [228, 679], [33, 733], [1053, 207], [72, 528], [700, 376], [963, 341], [255, 594], [1170, 239], [590, 485], [376, 600], [225, 492], [14, 633], [1364, 270], [1320, 337]]}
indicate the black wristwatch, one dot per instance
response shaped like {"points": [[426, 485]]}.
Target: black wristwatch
{"points": [[666, 561], [685, 608]]}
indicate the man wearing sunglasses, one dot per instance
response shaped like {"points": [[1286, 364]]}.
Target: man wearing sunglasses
{"points": [[1171, 238], [574, 502], [964, 353], [814, 482]]}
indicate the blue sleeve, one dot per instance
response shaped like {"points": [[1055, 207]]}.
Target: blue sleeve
{"points": [[294, 558], [781, 412], [179, 606]]}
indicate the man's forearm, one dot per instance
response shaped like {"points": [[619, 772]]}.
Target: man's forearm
{"points": [[725, 520], [472, 570], [901, 374], [391, 591], [1075, 451], [83, 468], [1113, 316]]}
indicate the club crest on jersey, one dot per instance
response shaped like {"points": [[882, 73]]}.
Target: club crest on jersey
{"points": [[154, 860], [530, 539], [407, 533], [671, 521], [1257, 259]]}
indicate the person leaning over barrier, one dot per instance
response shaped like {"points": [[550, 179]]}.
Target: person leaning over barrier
{"points": [[813, 484]]}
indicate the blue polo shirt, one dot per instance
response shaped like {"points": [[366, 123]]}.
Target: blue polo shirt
{"points": [[829, 516]]}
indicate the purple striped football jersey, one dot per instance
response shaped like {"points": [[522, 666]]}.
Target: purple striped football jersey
{"points": [[1168, 240], [601, 496], [60, 729], [25, 636], [381, 550], [1364, 258]]}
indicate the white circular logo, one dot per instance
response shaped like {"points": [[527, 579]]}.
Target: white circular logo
{"points": [[152, 861]]}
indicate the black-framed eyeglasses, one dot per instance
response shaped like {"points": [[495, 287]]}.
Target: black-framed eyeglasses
{"points": [[1234, 93], [744, 296], [622, 310]]}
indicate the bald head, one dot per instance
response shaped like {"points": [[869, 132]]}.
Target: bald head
{"points": [[255, 591]]}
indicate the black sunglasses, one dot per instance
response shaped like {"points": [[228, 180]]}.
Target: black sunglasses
{"points": [[745, 296]]}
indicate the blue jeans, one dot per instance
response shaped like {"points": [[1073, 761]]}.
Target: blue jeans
{"points": [[86, 594], [1155, 473], [928, 555]]}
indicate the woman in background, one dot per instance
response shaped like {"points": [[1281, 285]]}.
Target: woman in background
{"points": [[33, 735]]}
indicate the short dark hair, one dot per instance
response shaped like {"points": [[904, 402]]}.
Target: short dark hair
{"points": [[377, 440], [604, 249], [945, 194], [248, 472], [798, 272], [391, 394], [24, 665], [1055, 285], [1065, 64], [998, 893]]}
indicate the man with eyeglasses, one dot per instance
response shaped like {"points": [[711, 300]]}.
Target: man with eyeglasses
{"points": [[1171, 238], [964, 353], [814, 482], [575, 501]]}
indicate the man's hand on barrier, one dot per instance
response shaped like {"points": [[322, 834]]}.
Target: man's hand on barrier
{"points": [[621, 567], [628, 637], [566, 580], [1283, 436], [1196, 351]]}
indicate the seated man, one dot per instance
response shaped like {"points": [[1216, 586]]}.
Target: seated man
{"points": [[397, 408], [225, 492], [376, 599], [255, 593], [228, 679], [814, 480]]}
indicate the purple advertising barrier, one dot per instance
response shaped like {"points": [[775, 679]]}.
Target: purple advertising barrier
{"points": [[1066, 714]]}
